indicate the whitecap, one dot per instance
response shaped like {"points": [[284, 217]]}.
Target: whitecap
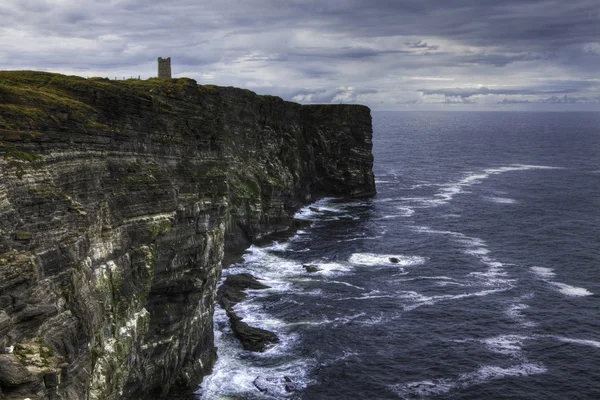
{"points": [[406, 211], [278, 247], [501, 200], [418, 278], [421, 300], [482, 375], [415, 390], [542, 272], [345, 284], [546, 274], [316, 209], [511, 345], [371, 259], [367, 297], [329, 268], [392, 216], [584, 342], [361, 238], [569, 290], [490, 372], [515, 312]]}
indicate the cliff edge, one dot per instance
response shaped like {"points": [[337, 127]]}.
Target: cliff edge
{"points": [[118, 201]]}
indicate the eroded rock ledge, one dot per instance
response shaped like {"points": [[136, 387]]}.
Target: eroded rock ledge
{"points": [[118, 200]]}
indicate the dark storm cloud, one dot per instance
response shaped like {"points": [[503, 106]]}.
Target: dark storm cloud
{"points": [[388, 52]]}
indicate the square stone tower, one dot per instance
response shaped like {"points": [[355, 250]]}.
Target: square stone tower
{"points": [[164, 68]]}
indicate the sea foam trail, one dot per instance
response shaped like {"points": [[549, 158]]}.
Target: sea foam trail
{"points": [[500, 200], [546, 274], [415, 390], [449, 190], [370, 259], [495, 274]]}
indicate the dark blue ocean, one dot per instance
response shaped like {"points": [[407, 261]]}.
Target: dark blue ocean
{"points": [[493, 221]]}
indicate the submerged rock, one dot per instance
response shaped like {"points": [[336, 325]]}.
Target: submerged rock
{"points": [[394, 260], [311, 268], [275, 385]]}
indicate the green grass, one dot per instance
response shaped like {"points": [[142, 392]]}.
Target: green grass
{"points": [[23, 156], [37, 101]]}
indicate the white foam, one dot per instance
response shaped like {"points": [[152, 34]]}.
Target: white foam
{"points": [[546, 274], [345, 284], [276, 246], [511, 345], [584, 342], [234, 373], [368, 297], [422, 300], [569, 290], [542, 272], [501, 200], [330, 268], [371, 259], [406, 211], [515, 312], [449, 190], [361, 238], [482, 375], [418, 278], [495, 275], [415, 390], [477, 251], [490, 372]]}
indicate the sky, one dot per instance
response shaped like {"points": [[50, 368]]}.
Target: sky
{"points": [[388, 54]]}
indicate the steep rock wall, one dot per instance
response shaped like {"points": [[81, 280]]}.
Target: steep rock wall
{"points": [[118, 200]]}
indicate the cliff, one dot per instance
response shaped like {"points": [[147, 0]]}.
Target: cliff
{"points": [[118, 201]]}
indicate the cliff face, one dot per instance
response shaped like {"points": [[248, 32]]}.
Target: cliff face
{"points": [[118, 200]]}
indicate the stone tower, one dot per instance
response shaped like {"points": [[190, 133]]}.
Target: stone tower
{"points": [[164, 68]]}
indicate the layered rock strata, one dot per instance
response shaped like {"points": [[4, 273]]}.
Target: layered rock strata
{"points": [[118, 201]]}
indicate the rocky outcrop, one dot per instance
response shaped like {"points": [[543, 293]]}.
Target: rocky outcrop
{"points": [[231, 292], [118, 200]]}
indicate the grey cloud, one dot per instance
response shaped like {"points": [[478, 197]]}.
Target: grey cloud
{"points": [[310, 49], [554, 100], [466, 93], [421, 45]]}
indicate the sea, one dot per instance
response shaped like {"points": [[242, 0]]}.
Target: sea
{"points": [[474, 273]]}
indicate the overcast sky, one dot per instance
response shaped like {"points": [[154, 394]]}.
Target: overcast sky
{"points": [[387, 54]]}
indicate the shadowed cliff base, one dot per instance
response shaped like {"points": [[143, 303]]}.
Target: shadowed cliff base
{"points": [[118, 202]]}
